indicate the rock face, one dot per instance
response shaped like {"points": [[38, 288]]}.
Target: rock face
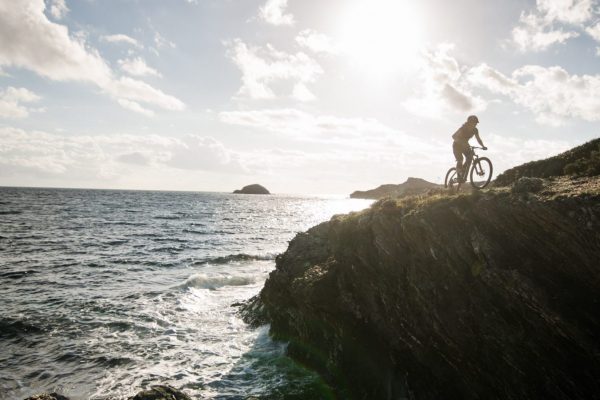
{"points": [[490, 295], [252, 189], [412, 186]]}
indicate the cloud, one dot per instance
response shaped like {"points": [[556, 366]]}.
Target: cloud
{"points": [[567, 11], [58, 8], [273, 12], [537, 34], [43, 154], [552, 22], [366, 134], [121, 38], [138, 67], [11, 102], [551, 93], [29, 40], [261, 67], [135, 107], [443, 87], [317, 42], [132, 89]]}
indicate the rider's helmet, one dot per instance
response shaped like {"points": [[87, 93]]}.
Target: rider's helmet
{"points": [[473, 119]]}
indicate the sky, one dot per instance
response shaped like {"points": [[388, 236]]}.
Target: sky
{"points": [[301, 96]]}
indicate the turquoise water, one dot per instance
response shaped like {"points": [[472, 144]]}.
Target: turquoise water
{"points": [[103, 293]]}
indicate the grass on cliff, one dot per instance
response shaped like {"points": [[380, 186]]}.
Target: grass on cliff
{"points": [[578, 162]]}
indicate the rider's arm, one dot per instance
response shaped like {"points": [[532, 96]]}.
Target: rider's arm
{"points": [[479, 140]]}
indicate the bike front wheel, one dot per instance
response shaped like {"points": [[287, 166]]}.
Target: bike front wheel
{"points": [[481, 173], [451, 180]]}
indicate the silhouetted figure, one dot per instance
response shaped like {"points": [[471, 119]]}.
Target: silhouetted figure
{"points": [[461, 146]]}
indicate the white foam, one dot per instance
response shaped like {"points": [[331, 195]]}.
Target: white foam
{"points": [[212, 282]]}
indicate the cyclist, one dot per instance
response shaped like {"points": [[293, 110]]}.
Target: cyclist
{"points": [[461, 146]]}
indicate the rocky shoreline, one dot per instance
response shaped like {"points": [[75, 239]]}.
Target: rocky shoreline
{"points": [[491, 294], [487, 295]]}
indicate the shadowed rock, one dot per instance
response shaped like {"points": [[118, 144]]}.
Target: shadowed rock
{"points": [[252, 189], [161, 392], [412, 186], [490, 295], [47, 396]]}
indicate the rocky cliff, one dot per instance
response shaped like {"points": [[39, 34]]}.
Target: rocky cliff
{"points": [[412, 186], [489, 295]]}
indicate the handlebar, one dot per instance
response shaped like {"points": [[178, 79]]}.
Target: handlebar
{"points": [[481, 148]]}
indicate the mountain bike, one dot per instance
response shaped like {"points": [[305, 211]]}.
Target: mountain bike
{"points": [[480, 173]]}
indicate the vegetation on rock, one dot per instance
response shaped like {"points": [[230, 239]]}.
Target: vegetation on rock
{"points": [[580, 161]]}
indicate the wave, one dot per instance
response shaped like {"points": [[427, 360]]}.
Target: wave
{"points": [[236, 258], [10, 212], [10, 327], [169, 217], [17, 274], [203, 281]]}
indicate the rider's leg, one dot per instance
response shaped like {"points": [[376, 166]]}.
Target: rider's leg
{"points": [[458, 155], [468, 159]]}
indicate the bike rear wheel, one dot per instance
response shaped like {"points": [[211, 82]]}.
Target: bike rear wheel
{"points": [[451, 180], [481, 173]]}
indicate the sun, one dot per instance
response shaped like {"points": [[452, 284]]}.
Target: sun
{"points": [[381, 36]]}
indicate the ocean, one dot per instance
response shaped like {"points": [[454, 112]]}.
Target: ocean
{"points": [[106, 292]]}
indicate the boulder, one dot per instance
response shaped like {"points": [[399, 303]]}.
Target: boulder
{"points": [[161, 392]]}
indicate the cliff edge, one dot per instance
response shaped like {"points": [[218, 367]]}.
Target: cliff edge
{"points": [[489, 295]]}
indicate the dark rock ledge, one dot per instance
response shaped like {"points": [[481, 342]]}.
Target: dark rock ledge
{"points": [[493, 295]]}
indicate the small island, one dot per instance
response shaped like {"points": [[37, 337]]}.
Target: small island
{"points": [[252, 189]]}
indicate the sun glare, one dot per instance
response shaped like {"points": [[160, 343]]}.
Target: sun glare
{"points": [[381, 36]]}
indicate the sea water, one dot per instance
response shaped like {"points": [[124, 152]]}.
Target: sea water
{"points": [[104, 293]]}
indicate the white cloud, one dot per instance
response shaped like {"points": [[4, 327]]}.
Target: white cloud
{"points": [[594, 31], [132, 89], [136, 107], [137, 67], [537, 34], [568, 11], [102, 157], [11, 101], [161, 42], [262, 67], [552, 22], [121, 38], [58, 8], [273, 12], [29, 40], [317, 42], [443, 87], [360, 133], [551, 93]]}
